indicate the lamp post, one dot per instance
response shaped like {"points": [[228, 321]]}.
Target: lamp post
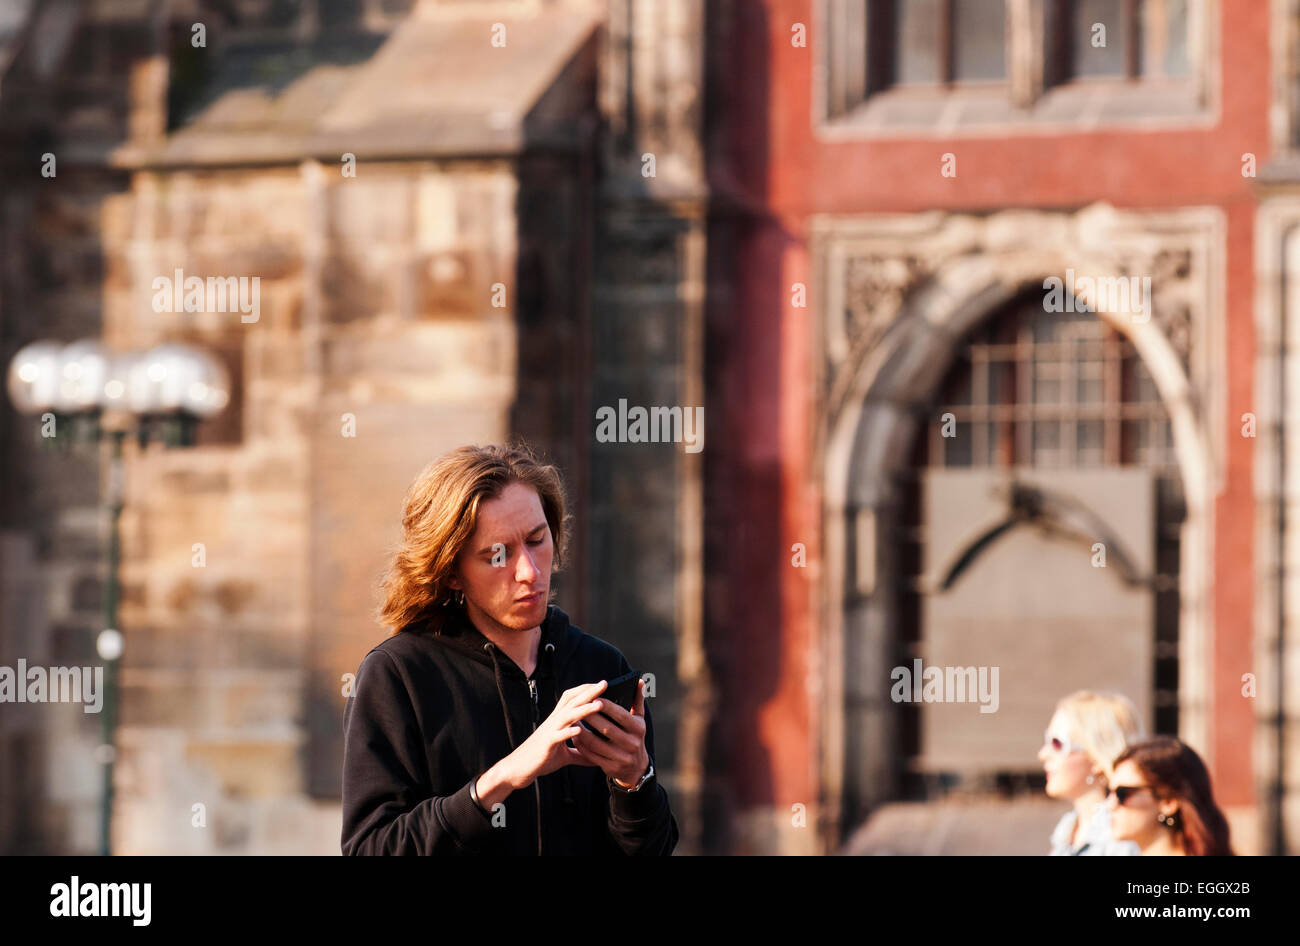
{"points": [[85, 394]]}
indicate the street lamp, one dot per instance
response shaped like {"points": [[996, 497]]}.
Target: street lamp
{"points": [[91, 394]]}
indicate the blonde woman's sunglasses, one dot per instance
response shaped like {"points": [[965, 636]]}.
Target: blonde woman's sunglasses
{"points": [[1060, 744]]}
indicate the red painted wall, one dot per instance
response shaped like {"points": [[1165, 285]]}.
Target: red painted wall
{"points": [[765, 158]]}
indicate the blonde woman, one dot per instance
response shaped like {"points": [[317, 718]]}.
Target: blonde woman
{"points": [[1086, 733]]}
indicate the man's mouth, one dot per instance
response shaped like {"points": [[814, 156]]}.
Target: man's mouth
{"points": [[531, 599]]}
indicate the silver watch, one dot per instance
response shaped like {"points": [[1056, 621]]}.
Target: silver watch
{"points": [[635, 788]]}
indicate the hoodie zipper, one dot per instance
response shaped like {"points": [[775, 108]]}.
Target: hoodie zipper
{"points": [[537, 790]]}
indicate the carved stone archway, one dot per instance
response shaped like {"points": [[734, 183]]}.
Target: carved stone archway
{"points": [[899, 293]]}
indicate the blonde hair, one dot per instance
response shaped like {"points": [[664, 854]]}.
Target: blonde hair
{"points": [[1105, 724], [439, 516]]}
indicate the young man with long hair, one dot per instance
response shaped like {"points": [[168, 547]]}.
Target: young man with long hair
{"points": [[463, 734]]}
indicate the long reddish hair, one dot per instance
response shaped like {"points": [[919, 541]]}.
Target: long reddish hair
{"points": [[439, 516], [1175, 771]]}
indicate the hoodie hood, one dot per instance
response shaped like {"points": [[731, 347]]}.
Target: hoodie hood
{"points": [[558, 641]]}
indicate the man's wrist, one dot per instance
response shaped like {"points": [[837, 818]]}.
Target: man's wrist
{"points": [[636, 781], [492, 787], [475, 797]]}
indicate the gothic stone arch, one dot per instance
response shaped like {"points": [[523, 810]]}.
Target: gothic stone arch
{"points": [[898, 294]]}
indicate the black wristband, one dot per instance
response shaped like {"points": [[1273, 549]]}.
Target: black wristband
{"points": [[473, 794]]}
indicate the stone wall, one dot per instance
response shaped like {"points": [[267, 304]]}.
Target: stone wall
{"points": [[646, 522], [385, 334], [251, 561]]}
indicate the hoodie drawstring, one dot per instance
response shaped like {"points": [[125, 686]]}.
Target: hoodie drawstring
{"points": [[549, 651], [510, 734], [501, 693]]}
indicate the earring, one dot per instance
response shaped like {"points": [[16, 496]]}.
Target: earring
{"points": [[1165, 819], [1090, 779]]}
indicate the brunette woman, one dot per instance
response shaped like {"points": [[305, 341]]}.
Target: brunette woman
{"points": [[1160, 798]]}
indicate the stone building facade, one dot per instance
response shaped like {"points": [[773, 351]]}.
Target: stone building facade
{"points": [[921, 196], [767, 208], [419, 204]]}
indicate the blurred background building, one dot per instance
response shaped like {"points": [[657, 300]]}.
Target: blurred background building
{"points": [[829, 222]]}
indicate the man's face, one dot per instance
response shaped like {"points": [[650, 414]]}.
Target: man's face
{"points": [[505, 568]]}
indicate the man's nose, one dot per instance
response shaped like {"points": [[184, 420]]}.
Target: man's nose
{"points": [[525, 568]]}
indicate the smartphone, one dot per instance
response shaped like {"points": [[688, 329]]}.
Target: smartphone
{"points": [[620, 690]]}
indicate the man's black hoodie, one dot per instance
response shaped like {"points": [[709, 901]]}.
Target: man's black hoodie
{"points": [[429, 713]]}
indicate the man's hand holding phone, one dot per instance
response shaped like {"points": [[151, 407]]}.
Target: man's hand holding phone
{"points": [[619, 749], [545, 750]]}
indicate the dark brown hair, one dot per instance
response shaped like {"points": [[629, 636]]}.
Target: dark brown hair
{"points": [[1175, 771], [439, 516]]}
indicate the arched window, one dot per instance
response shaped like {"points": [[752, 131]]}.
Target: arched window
{"points": [[1036, 390]]}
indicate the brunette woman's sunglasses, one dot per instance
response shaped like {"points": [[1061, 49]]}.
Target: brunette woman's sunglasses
{"points": [[1125, 792]]}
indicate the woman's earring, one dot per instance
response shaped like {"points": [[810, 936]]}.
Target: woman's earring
{"points": [[1164, 819], [1091, 779]]}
